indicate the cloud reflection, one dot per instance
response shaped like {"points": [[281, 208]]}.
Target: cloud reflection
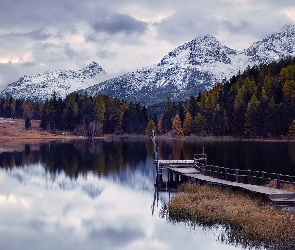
{"points": [[57, 212]]}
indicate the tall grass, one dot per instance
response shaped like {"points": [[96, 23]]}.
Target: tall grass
{"points": [[284, 186], [247, 221]]}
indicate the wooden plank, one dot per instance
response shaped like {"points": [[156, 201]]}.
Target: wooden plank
{"points": [[277, 196], [169, 162]]}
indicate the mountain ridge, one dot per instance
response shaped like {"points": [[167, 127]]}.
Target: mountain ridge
{"points": [[62, 82], [190, 68]]}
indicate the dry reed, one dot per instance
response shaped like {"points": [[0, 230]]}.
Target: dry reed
{"points": [[284, 186], [246, 220]]}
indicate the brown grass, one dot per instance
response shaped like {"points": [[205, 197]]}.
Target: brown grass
{"points": [[247, 221], [284, 186], [14, 136]]}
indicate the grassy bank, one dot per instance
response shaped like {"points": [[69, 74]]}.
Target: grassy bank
{"points": [[246, 221]]}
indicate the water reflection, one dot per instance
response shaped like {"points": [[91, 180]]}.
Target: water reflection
{"points": [[101, 194], [272, 157]]}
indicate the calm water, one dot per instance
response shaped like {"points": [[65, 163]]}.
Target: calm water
{"points": [[101, 195]]}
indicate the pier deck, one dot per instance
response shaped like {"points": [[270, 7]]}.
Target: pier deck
{"points": [[187, 169]]}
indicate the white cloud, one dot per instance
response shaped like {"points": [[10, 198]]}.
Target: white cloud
{"points": [[124, 35]]}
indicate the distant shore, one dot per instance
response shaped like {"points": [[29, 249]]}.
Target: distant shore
{"points": [[14, 136]]}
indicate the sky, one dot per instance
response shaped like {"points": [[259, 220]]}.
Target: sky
{"points": [[124, 35]]}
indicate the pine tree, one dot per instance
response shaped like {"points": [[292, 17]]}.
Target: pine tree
{"points": [[252, 116], [291, 132], [200, 124], [27, 123]]}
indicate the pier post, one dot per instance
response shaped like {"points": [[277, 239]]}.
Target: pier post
{"points": [[262, 174], [278, 182], [226, 174], [249, 174], [237, 175]]}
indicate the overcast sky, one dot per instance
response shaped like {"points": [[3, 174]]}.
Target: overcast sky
{"points": [[124, 35]]}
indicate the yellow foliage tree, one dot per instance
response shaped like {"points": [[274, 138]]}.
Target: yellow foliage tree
{"points": [[176, 126]]}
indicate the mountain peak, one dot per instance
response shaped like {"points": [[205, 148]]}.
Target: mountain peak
{"points": [[190, 68], [41, 86], [289, 28]]}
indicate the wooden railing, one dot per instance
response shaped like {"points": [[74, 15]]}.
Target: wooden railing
{"points": [[240, 175]]}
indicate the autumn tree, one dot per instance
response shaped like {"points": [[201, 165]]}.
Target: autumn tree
{"points": [[150, 128], [188, 124], [176, 126]]}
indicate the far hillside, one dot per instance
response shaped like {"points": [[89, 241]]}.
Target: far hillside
{"points": [[260, 102]]}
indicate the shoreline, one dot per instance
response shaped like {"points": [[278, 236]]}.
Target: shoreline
{"points": [[14, 136]]}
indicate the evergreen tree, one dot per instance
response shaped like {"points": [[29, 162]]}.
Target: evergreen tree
{"points": [[252, 117], [239, 120], [291, 132], [27, 123], [200, 124]]}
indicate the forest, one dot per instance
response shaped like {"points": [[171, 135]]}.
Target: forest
{"points": [[260, 102]]}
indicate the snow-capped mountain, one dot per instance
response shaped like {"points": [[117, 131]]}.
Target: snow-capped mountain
{"points": [[62, 82], [187, 70], [193, 67]]}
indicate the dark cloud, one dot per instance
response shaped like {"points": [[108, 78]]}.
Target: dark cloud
{"points": [[113, 23], [36, 35], [118, 31]]}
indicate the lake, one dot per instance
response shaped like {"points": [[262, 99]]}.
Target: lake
{"points": [[100, 194]]}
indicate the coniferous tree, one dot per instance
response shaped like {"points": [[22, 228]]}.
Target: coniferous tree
{"points": [[200, 124], [291, 132], [27, 123]]}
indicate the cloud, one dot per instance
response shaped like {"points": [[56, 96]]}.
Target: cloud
{"points": [[185, 25], [124, 35], [114, 23], [39, 34], [105, 54]]}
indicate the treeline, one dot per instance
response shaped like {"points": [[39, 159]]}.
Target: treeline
{"points": [[14, 108], [260, 102], [93, 116], [83, 115]]}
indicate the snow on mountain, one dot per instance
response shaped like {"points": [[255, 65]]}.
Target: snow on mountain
{"points": [[62, 82], [187, 70], [193, 67]]}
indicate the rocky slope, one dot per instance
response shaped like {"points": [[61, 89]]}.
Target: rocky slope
{"points": [[62, 82], [193, 67]]}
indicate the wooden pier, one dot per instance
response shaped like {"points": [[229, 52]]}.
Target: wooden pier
{"points": [[194, 171]]}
